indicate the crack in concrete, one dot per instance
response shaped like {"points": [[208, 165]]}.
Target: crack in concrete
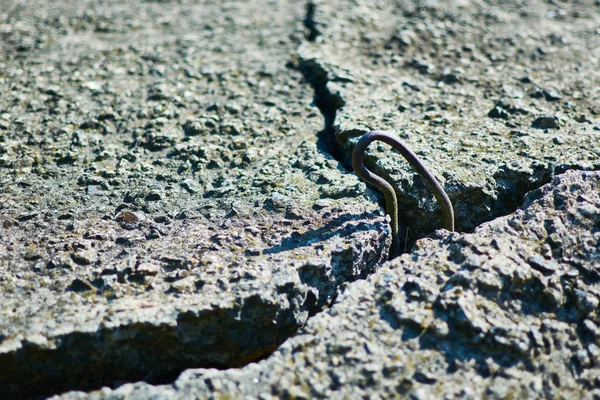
{"points": [[475, 205], [184, 339], [122, 354], [230, 335]]}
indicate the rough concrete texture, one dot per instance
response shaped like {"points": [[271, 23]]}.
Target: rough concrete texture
{"points": [[168, 200], [509, 311], [497, 97], [163, 201]]}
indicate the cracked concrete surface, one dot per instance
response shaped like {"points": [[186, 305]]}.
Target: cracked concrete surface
{"points": [[509, 311], [171, 200], [164, 202], [498, 98]]}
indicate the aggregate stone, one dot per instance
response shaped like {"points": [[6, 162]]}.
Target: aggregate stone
{"points": [[462, 316], [136, 243], [489, 95], [190, 117]]}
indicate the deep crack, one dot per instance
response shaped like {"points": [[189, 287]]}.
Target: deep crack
{"points": [[328, 104], [474, 205], [310, 23], [123, 353]]}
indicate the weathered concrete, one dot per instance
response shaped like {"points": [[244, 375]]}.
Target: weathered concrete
{"points": [[496, 98], [509, 311], [164, 204], [167, 202]]}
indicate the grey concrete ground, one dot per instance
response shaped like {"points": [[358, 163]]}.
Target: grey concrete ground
{"points": [[497, 96], [509, 311], [171, 201], [164, 202]]}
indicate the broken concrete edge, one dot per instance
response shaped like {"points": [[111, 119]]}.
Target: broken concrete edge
{"points": [[121, 342], [515, 179], [427, 322], [491, 192], [146, 339], [195, 335], [121, 352]]}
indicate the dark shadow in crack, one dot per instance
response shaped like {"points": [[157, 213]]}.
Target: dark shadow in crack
{"points": [[310, 24], [157, 352], [326, 101], [154, 353]]}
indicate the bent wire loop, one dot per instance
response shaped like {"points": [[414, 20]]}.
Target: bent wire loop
{"points": [[391, 202]]}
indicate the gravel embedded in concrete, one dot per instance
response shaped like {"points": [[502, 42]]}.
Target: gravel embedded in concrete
{"points": [[495, 98], [509, 311], [169, 199], [164, 202]]}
